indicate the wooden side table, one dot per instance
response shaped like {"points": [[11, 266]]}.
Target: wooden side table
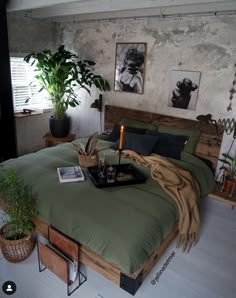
{"points": [[48, 139], [223, 196]]}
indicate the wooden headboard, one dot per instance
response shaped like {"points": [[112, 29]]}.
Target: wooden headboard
{"points": [[209, 143]]}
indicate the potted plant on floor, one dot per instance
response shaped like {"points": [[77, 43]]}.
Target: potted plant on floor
{"points": [[229, 167], [59, 74], [19, 202]]}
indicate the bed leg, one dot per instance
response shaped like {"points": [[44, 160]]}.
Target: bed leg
{"points": [[129, 284]]}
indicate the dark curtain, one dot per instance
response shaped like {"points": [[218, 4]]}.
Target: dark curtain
{"points": [[7, 121]]}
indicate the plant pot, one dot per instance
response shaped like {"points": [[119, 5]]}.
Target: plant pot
{"points": [[16, 251], [227, 185], [59, 127]]}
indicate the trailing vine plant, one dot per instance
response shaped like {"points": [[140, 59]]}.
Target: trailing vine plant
{"points": [[232, 91]]}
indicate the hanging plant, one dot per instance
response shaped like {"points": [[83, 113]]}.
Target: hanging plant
{"points": [[232, 91]]}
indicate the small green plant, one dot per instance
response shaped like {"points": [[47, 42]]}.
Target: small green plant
{"points": [[229, 165], [19, 202], [60, 73]]}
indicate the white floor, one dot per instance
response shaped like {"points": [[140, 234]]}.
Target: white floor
{"points": [[208, 271]]}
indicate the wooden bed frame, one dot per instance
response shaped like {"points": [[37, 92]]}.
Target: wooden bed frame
{"points": [[208, 145], [208, 148]]}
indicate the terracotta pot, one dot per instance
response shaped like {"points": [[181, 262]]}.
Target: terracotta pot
{"points": [[227, 185]]}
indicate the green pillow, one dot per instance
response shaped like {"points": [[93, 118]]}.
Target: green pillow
{"points": [[192, 134], [138, 124]]}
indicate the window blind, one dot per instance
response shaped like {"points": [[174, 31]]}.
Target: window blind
{"points": [[24, 86]]}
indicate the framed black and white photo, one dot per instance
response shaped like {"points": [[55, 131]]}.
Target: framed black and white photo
{"points": [[184, 86], [130, 67]]}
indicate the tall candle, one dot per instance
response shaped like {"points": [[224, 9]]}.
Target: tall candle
{"points": [[121, 137]]}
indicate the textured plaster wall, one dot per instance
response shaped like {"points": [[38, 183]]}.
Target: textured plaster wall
{"points": [[25, 36], [206, 44]]}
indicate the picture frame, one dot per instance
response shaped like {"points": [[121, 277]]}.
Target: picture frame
{"points": [[130, 60], [184, 88]]}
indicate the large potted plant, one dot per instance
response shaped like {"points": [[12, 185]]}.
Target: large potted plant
{"points": [[229, 167], [61, 74], [17, 240]]}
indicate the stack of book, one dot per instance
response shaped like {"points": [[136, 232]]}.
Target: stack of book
{"points": [[70, 174]]}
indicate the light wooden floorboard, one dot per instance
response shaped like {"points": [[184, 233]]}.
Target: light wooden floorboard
{"points": [[208, 271]]}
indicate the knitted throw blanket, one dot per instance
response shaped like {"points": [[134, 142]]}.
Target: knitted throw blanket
{"points": [[182, 187]]}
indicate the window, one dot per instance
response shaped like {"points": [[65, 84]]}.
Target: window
{"points": [[24, 86]]}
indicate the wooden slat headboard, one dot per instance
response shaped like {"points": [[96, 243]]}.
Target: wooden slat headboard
{"points": [[209, 143]]}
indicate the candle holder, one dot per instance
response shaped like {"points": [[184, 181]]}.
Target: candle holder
{"points": [[120, 174], [120, 152]]}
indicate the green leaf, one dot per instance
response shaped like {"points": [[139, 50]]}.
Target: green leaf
{"points": [[227, 156], [225, 161]]}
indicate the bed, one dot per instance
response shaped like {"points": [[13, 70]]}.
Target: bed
{"points": [[121, 231]]}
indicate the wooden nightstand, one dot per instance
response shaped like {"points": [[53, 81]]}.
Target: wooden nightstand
{"points": [[222, 196], [49, 139]]}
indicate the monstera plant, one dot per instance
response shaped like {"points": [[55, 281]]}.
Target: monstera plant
{"points": [[61, 74]]}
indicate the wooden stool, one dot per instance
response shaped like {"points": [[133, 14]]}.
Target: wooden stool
{"points": [[48, 138]]}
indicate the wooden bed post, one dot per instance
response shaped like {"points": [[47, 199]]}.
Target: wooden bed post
{"points": [[130, 284]]}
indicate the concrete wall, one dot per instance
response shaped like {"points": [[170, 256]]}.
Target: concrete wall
{"points": [[30, 131], [25, 36], [206, 44]]}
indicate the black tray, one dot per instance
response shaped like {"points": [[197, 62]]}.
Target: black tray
{"points": [[130, 175]]}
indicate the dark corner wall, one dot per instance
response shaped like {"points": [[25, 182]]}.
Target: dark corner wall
{"points": [[7, 121]]}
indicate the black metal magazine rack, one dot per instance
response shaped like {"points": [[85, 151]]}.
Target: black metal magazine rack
{"points": [[61, 256]]}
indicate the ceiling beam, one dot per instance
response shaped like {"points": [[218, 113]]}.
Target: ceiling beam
{"points": [[18, 5], [114, 6], [148, 12], [68, 7]]}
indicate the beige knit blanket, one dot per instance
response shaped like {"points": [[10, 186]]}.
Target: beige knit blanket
{"points": [[182, 187]]}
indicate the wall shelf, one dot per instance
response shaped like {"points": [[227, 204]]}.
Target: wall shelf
{"points": [[223, 196]]}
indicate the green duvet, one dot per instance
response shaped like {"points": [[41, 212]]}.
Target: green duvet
{"points": [[124, 224]]}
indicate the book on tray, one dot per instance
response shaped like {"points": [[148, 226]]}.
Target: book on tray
{"points": [[70, 174]]}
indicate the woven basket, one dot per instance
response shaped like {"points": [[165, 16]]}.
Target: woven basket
{"points": [[16, 250], [86, 161]]}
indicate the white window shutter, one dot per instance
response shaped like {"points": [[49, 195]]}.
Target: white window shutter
{"points": [[24, 86]]}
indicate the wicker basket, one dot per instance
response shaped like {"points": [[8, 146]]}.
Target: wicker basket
{"points": [[86, 161], [16, 250]]}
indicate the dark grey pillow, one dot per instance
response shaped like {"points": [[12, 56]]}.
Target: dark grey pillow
{"points": [[141, 143], [115, 133], [169, 145]]}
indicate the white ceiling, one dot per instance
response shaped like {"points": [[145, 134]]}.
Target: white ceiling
{"points": [[82, 10]]}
